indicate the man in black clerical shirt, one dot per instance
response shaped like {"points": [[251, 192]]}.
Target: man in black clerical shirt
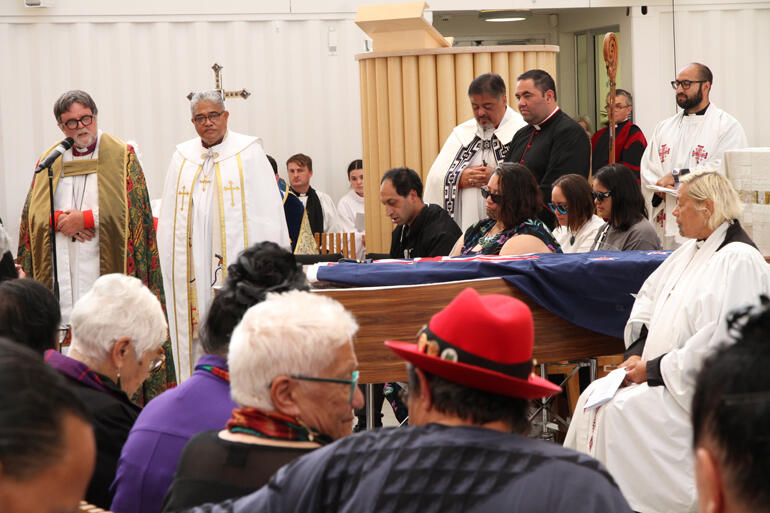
{"points": [[422, 230], [552, 144]]}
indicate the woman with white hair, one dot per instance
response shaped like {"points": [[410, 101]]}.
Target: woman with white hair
{"points": [[118, 328], [644, 434], [293, 375]]}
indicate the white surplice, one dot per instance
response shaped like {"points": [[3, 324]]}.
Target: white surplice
{"points": [[692, 142], [350, 215], [78, 262], [644, 435], [468, 145], [580, 241], [216, 202]]}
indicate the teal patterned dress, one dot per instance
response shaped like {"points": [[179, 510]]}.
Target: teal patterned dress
{"points": [[491, 245]]}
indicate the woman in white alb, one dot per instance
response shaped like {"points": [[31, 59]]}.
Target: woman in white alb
{"points": [[643, 435], [350, 209], [573, 206]]}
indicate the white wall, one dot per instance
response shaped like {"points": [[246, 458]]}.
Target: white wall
{"points": [[732, 40], [139, 59], [139, 70]]}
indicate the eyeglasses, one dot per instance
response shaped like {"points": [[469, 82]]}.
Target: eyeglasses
{"points": [[211, 116], [557, 209], [353, 381], [685, 83], [497, 198], [72, 124], [601, 196], [617, 107], [158, 362]]}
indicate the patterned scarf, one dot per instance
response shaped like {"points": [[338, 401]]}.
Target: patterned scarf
{"points": [[272, 425], [219, 372]]}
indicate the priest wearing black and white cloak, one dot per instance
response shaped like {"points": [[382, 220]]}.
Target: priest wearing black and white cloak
{"points": [[472, 151], [552, 144], [643, 435]]}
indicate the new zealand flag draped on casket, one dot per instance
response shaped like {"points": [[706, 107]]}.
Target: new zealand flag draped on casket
{"points": [[593, 290]]}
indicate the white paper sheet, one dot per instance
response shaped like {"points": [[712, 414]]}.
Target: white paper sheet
{"points": [[604, 388]]}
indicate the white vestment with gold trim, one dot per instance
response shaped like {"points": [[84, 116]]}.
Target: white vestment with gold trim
{"points": [[216, 202]]}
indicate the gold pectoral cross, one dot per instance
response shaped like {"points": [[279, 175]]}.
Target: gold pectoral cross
{"points": [[232, 191], [183, 193], [204, 182]]}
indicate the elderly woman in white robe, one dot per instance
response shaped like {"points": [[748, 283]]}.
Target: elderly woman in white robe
{"points": [[643, 435]]}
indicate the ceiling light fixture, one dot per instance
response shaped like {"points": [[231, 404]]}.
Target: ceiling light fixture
{"points": [[504, 15]]}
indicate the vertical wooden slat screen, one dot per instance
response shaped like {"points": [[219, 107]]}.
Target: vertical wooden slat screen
{"points": [[447, 114], [411, 101], [463, 78]]}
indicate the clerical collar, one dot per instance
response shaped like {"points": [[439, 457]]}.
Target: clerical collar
{"points": [[539, 126], [77, 152], [299, 194], [699, 113]]}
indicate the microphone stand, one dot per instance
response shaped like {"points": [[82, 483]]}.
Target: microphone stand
{"points": [[53, 234]]}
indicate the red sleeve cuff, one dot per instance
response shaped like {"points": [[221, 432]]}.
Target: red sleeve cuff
{"points": [[56, 219], [88, 219]]}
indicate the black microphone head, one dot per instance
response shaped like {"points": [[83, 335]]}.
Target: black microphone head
{"points": [[67, 143]]}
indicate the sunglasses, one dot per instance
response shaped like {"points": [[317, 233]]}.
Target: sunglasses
{"points": [[557, 209], [497, 198], [601, 196], [353, 382]]}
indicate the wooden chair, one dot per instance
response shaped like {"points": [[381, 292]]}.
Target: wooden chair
{"points": [[607, 364], [343, 243]]}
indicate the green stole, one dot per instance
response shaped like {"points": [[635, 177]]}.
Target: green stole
{"points": [[110, 167]]}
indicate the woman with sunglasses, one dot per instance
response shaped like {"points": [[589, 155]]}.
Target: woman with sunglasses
{"points": [[294, 380], [573, 205], [118, 329], [618, 199], [512, 227]]}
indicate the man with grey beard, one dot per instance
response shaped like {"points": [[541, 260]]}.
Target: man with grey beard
{"points": [[101, 215]]}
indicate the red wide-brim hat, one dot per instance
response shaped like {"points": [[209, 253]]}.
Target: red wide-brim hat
{"points": [[482, 342]]}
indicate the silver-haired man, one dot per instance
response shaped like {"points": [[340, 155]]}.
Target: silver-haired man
{"points": [[219, 198]]}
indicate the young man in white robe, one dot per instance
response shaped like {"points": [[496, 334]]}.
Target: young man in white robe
{"points": [[219, 198], [695, 138], [643, 434], [472, 151], [319, 206]]}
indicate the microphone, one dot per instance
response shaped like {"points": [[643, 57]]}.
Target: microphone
{"points": [[65, 145]]}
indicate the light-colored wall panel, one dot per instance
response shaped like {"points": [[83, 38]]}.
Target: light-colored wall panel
{"points": [[463, 78], [447, 114], [428, 113], [396, 111], [482, 63], [139, 70], [411, 73], [430, 88]]}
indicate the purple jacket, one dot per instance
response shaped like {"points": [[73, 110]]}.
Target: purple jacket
{"points": [[150, 455]]}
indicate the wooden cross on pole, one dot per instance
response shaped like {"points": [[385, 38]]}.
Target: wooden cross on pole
{"points": [[243, 93], [611, 58]]}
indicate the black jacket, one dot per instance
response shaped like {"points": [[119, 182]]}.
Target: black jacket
{"points": [[558, 148], [433, 233]]}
